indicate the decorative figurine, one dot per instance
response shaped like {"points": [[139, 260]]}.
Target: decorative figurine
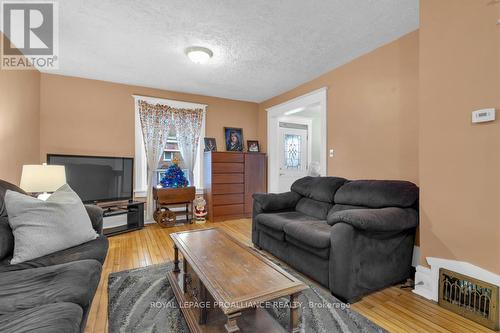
{"points": [[200, 212]]}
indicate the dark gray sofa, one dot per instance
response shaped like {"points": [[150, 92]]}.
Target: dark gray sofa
{"points": [[353, 237], [52, 293]]}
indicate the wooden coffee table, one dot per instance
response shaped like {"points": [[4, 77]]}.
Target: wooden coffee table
{"points": [[224, 283]]}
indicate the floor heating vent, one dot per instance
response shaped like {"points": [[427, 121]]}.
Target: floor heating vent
{"points": [[469, 297]]}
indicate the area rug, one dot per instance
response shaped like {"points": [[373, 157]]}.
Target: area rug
{"points": [[141, 300]]}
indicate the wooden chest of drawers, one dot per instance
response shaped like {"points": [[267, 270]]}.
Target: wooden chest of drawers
{"points": [[230, 180]]}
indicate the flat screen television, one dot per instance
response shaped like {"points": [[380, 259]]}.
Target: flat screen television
{"points": [[97, 178]]}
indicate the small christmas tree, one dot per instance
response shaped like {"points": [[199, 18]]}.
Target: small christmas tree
{"points": [[174, 177]]}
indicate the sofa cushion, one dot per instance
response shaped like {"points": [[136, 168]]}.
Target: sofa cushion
{"points": [[301, 260], [314, 208], [96, 249], [273, 223], [339, 208], [389, 219], [73, 282], [318, 188], [323, 254], [96, 217], [278, 220], [49, 318], [6, 238], [378, 193], [278, 235], [312, 236], [270, 202], [315, 234]]}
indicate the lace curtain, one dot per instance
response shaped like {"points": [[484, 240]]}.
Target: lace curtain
{"points": [[156, 122], [188, 124]]}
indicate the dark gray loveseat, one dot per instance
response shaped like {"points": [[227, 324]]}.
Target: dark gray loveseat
{"points": [[52, 293], [353, 237]]}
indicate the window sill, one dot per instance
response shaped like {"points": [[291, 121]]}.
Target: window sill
{"points": [[140, 194]]}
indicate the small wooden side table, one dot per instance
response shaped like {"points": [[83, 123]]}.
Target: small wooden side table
{"points": [[175, 196]]}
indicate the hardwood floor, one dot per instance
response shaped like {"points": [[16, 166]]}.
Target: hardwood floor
{"points": [[395, 309]]}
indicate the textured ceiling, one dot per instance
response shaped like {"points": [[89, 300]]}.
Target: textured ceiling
{"points": [[261, 47]]}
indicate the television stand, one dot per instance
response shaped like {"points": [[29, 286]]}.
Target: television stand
{"points": [[130, 214]]}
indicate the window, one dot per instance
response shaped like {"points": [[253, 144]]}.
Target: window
{"points": [[171, 154], [292, 151], [168, 156], [171, 150]]}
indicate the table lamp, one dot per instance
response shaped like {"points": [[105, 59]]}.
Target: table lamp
{"points": [[42, 179]]}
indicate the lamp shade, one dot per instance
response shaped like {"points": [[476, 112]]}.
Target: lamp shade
{"points": [[42, 178]]}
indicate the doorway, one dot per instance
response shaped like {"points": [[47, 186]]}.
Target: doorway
{"points": [[297, 135]]}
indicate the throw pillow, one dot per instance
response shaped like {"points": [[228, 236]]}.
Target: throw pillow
{"points": [[43, 227]]}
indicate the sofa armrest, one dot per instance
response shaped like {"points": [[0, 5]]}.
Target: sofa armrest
{"points": [[96, 215], [363, 261], [377, 220], [271, 202]]}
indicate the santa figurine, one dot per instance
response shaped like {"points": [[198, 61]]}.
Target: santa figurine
{"points": [[200, 212]]}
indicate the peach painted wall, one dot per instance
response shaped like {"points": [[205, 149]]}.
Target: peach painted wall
{"points": [[460, 161], [82, 116], [19, 122], [372, 113]]}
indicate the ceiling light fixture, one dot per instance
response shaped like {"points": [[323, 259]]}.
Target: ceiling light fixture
{"points": [[199, 54]]}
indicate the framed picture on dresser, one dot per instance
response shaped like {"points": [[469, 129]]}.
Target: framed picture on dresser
{"points": [[210, 144], [234, 138], [253, 146]]}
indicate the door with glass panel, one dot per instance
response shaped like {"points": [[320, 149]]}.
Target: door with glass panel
{"points": [[292, 148]]}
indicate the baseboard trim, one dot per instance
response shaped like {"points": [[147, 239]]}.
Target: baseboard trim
{"points": [[423, 283], [416, 256]]}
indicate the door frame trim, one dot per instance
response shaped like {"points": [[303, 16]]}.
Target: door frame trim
{"points": [[276, 112]]}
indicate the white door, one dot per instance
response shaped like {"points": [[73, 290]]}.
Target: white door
{"points": [[292, 149]]}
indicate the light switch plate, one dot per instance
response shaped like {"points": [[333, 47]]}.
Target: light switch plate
{"points": [[332, 153]]}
